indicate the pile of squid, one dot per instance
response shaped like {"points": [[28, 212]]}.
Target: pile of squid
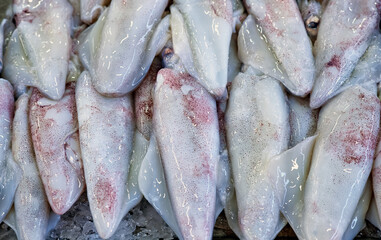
{"points": [[265, 109]]}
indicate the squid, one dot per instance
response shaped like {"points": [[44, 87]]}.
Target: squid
{"points": [[376, 183], [284, 31], [54, 130], [339, 46], [342, 159], [372, 214], [10, 173], [185, 124], [106, 128], [3, 32], [119, 48], [258, 103], [367, 71], [201, 34], [43, 29], [30, 201], [143, 97], [16, 66], [303, 119], [92, 9]]}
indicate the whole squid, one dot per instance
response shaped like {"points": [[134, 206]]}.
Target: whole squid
{"points": [[54, 129], [43, 27], [344, 34], [119, 48], [283, 27], [186, 128], [106, 128], [257, 129], [30, 200], [347, 130], [201, 33], [10, 173]]}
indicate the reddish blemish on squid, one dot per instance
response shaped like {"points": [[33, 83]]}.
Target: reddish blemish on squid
{"points": [[334, 62], [356, 145], [222, 9]]}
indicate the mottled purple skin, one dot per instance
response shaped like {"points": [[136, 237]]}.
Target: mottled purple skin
{"points": [[54, 129], [144, 100], [186, 127]]}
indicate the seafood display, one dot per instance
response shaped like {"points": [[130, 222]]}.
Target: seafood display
{"points": [[266, 110]]}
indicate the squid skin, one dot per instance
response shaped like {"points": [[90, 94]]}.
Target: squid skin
{"points": [[17, 69], [284, 29], [201, 33], [303, 119], [347, 131], [54, 129], [186, 128], [357, 222], [119, 48], [10, 173], [376, 182], [344, 35], [44, 29], [106, 127], [372, 214], [367, 71], [31, 205], [92, 9], [144, 100], [257, 103]]}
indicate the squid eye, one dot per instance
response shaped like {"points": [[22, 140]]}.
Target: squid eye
{"points": [[313, 22], [313, 25]]}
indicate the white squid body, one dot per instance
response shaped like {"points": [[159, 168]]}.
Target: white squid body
{"points": [[285, 33], [92, 9], [344, 35], [106, 127], [143, 97], [201, 34], [186, 127], [120, 47], [55, 138], [31, 205], [10, 173], [44, 31], [257, 129], [342, 159]]}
